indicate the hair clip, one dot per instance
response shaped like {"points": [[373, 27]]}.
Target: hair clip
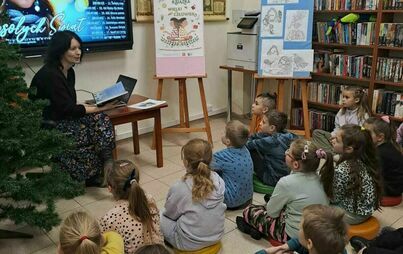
{"points": [[129, 180], [385, 119], [133, 181], [306, 150], [362, 128], [320, 153], [123, 164], [83, 238]]}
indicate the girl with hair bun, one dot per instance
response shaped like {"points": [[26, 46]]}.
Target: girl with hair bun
{"points": [[135, 216], [193, 217]]}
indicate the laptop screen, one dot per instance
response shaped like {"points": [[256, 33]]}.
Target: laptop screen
{"points": [[129, 84]]}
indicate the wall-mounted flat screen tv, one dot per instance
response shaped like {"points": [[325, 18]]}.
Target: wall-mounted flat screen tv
{"points": [[103, 25]]}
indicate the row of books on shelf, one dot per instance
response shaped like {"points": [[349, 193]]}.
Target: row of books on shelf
{"points": [[389, 69], [354, 34], [321, 92], [345, 5], [391, 34], [318, 119], [357, 66], [392, 4], [387, 102]]}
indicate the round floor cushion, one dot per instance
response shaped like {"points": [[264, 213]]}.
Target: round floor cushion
{"points": [[213, 249], [391, 201], [368, 229], [260, 187]]}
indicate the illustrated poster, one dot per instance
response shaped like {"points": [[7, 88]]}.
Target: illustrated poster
{"points": [[285, 39], [179, 39]]}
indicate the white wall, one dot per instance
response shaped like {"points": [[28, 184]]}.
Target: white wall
{"points": [[101, 69]]}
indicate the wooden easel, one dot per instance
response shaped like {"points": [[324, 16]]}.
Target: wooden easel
{"points": [[280, 100], [184, 126]]}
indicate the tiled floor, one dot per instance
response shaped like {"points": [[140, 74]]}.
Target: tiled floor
{"points": [[155, 181]]}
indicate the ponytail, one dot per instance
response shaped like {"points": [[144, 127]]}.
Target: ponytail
{"points": [[202, 184], [139, 208], [326, 174], [198, 154]]}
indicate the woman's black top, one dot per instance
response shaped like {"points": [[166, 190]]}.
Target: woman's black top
{"points": [[51, 84]]}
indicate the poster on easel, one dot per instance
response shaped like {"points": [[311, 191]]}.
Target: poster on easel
{"points": [[179, 38], [285, 39]]}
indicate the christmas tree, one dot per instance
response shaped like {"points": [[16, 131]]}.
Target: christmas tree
{"points": [[26, 197]]}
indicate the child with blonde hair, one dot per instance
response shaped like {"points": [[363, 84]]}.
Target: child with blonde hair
{"points": [[268, 146], [354, 110], [390, 155], [280, 218], [81, 234], [264, 103], [135, 216], [235, 166], [356, 184], [322, 231], [194, 217]]}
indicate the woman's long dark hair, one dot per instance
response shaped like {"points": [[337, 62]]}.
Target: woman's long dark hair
{"points": [[58, 45]]}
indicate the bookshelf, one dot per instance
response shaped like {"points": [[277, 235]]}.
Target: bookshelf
{"points": [[380, 53]]}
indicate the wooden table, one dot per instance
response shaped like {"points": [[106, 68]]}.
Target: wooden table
{"points": [[229, 83], [130, 115]]}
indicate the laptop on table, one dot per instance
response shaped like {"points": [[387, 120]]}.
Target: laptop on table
{"points": [[119, 92]]}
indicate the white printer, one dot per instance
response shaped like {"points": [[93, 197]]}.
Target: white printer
{"points": [[242, 47]]}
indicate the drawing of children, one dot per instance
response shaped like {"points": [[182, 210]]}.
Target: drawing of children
{"points": [[174, 34], [183, 34]]}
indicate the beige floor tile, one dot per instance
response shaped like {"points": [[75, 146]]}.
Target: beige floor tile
{"points": [[399, 223], [99, 208], [258, 198], [231, 215], [229, 226], [17, 246], [168, 169], [177, 159], [238, 242], [389, 215], [52, 249], [173, 178], [92, 194], [142, 159], [64, 205], [156, 189]]}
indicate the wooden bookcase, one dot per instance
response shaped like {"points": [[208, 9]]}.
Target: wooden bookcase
{"points": [[382, 16]]}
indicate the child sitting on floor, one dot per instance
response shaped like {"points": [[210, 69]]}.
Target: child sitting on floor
{"points": [[281, 217], [194, 212], [357, 183], [268, 146], [135, 215], [322, 231], [390, 156], [354, 110], [264, 103], [235, 166], [81, 234]]}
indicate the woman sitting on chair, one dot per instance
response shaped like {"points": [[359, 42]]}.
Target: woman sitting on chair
{"points": [[91, 129]]}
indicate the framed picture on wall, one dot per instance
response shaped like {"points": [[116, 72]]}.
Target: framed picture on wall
{"points": [[214, 10]]}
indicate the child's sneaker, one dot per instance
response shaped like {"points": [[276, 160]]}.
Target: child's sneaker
{"points": [[247, 229]]}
